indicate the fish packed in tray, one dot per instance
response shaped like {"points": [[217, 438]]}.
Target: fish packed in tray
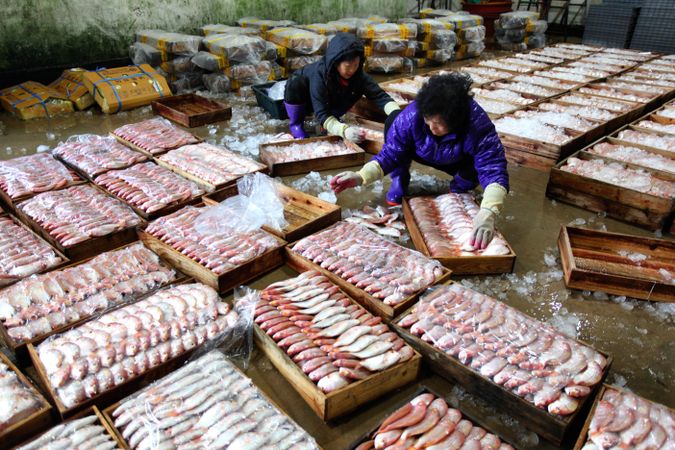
{"points": [[206, 404], [628, 54], [608, 91], [653, 66], [17, 401], [149, 187], [331, 339], [633, 77], [101, 354], [544, 81], [525, 356], [409, 87], [634, 155], [79, 213], [524, 62], [620, 175], [652, 140], [385, 270], [486, 72], [598, 102], [528, 88], [625, 420], [661, 128], [81, 434], [155, 135], [559, 119], [667, 111], [384, 221], [497, 64], [427, 422], [304, 151], [578, 78], [503, 95], [218, 250], [559, 53], [94, 154], [37, 305], [531, 128], [654, 75], [549, 60], [28, 175], [588, 112], [446, 223], [588, 71], [22, 253], [495, 106], [210, 163], [592, 65], [638, 87], [370, 134]]}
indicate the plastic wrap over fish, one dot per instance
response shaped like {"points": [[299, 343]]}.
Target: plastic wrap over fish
{"points": [[525, 356], [94, 154], [208, 404], [532, 128], [155, 135], [545, 82], [17, 401], [427, 422], [106, 352], [28, 175], [331, 339], [83, 433], [634, 155], [588, 112], [504, 95], [385, 270], [598, 102], [665, 142], [236, 47], [307, 150], [558, 119]]}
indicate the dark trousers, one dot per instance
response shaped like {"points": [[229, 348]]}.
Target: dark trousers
{"points": [[297, 91]]}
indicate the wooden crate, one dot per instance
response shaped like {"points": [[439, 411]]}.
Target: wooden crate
{"points": [[282, 169], [32, 423], [344, 400], [459, 265], [505, 85], [551, 427], [87, 412], [620, 120], [657, 117], [614, 139], [20, 350], [633, 111], [12, 204], [373, 147], [422, 390], [372, 304], [88, 248], [304, 213], [648, 101], [369, 110], [191, 110], [390, 86], [133, 146], [627, 205], [591, 261], [224, 282]]}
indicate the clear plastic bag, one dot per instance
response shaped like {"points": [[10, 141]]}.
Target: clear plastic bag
{"points": [[209, 61], [276, 92], [32, 174], [257, 204], [72, 434], [461, 21], [217, 83], [515, 35], [440, 39], [298, 62], [301, 41], [177, 65], [251, 74], [263, 24], [388, 64], [473, 34], [271, 51], [518, 19], [176, 43], [387, 31], [323, 29], [155, 135], [228, 29], [537, 27], [439, 56], [141, 53], [237, 48], [536, 41], [402, 47], [427, 25]]}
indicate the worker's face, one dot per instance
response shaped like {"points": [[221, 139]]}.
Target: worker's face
{"points": [[437, 125], [348, 68]]}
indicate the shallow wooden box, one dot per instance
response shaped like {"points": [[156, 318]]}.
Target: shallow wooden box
{"points": [[85, 249], [372, 304], [341, 401], [459, 265], [133, 146], [20, 349], [191, 110], [31, 424], [627, 205], [590, 261], [621, 118], [224, 282], [614, 139], [551, 427], [89, 411], [304, 213], [422, 390], [370, 146], [649, 101], [282, 169], [661, 118]]}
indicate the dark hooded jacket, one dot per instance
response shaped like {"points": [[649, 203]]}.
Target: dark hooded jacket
{"points": [[328, 96]]}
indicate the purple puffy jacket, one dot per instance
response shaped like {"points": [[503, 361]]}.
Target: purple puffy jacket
{"points": [[409, 138]]}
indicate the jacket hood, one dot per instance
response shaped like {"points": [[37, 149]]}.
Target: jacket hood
{"points": [[340, 45]]}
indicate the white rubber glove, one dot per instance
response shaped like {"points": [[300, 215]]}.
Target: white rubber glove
{"points": [[483, 228], [355, 134], [345, 180]]}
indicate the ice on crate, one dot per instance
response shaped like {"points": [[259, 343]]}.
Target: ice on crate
{"points": [[503, 95], [564, 76], [544, 81], [495, 106], [528, 88], [661, 128], [567, 323], [635, 155], [648, 139], [596, 101], [589, 112], [531, 128], [560, 119]]}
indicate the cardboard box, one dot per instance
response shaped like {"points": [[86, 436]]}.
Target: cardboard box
{"points": [[70, 85], [31, 100]]}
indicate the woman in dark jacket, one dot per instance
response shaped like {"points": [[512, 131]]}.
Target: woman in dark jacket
{"points": [[331, 87], [446, 129]]}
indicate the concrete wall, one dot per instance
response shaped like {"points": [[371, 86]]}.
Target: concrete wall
{"points": [[44, 33]]}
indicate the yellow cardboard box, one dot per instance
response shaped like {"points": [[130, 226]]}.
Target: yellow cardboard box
{"points": [[127, 87], [70, 85], [31, 100]]}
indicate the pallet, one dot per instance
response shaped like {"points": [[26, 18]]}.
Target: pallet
{"points": [[133, 146], [551, 427], [459, 265], [20, 349], [191, 110], [591, 261], [304, 213], [627, 205], [30, 424], [282, 169], [376, 306], [88, 248], [87, 412], [224, 282], [422, 390]]}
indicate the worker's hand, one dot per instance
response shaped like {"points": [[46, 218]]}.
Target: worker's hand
{"points": [[355, 134], [345, 180], [483, 228]]}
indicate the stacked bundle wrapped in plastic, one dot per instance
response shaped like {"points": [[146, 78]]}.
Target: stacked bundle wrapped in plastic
{"points": [[170, 54], [234, 58], [388, 46], [470, 33], [520, 30], [296, 47], [435, 43], [351, 24], [263, 25]]}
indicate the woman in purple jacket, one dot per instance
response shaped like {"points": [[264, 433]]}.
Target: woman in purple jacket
{"points": [[446, 129]]}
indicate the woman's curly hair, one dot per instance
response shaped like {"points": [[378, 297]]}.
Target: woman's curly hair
{"points": [[448, 96]]}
